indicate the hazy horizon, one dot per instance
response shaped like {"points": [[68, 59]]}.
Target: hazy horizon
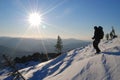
{"points": [[42, 38]]}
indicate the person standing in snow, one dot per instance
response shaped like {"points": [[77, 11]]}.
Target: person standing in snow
{"points": [[98, 35]]}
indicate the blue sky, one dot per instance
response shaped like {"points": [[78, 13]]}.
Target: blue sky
{"points": [[67, 18]]}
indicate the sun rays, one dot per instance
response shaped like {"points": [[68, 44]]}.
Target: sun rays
{"points": [[35, 21]]}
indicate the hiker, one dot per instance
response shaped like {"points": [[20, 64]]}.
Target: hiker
{"points": [[98, 35]]}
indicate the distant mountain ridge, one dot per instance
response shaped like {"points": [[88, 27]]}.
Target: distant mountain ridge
{"points": [[26, 46]]}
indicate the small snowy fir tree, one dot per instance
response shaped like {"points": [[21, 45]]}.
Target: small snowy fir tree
{"points": [[113, 34], [107, 36], [59, 45]]}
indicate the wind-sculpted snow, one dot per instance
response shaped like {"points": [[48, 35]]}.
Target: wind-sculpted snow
{"points": [[79, 64]]}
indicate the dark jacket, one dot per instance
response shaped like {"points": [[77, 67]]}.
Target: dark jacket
{"points": [[96, 34]]}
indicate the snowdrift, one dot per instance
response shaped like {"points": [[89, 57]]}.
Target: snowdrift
{"points": [[78, 64]]}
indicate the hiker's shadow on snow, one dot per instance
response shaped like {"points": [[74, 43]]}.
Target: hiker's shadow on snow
{"points": [[112, 53]]}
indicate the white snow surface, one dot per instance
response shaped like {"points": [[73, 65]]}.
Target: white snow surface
{"points": [[78, 64]]}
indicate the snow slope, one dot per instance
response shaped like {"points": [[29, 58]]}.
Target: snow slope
{"points": [[78, 64]]}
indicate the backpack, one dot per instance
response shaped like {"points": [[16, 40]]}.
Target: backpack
{"points": [[101, 33]]}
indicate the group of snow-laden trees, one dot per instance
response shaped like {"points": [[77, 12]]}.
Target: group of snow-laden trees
{"points": [[111, 35]]}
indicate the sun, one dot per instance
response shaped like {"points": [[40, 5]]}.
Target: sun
{"points": [[34, 19]]}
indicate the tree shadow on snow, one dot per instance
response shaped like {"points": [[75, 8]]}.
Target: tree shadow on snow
{"points": [[53, 66], [49, 69], [112, 53], [69, 62]]}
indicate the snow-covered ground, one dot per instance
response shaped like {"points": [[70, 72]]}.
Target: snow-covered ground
{"points": [[78, 64]]}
